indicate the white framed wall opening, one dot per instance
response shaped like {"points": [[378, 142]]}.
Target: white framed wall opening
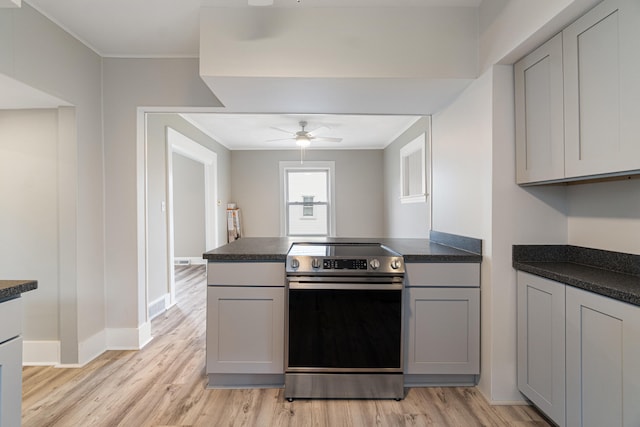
{"points": [[307, 198]]}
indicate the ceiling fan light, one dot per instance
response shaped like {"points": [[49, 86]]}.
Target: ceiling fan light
{"points": [[302, 141]]}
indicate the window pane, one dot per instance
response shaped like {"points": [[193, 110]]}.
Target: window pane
{"points": [[412, 176], [300, 224], [310, 184]]}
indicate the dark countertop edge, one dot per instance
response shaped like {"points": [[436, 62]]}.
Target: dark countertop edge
{"points": [[463, 258], [13, 288], [467, 244], [470, 252], [542, 270], [246, 258], [608, 260]]}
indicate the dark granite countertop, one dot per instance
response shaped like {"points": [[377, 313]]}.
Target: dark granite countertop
{"points": [[441, 247], [13, 288], [612, 274]]}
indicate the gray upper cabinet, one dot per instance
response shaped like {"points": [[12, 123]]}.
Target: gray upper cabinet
{"points": [[577, 98], [602, 91], [539, 114]]}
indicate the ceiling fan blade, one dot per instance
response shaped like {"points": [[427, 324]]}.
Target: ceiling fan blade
{"points": [[283, 130], [280, 139], [315, 131], [326, 139]]}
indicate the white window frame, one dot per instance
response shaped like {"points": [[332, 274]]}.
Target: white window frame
{"points": [[419, 144], [328, 166]]}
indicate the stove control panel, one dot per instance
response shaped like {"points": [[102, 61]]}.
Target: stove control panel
{"points": [[344, 264]]}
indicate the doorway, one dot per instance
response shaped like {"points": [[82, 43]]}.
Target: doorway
{"points": [[177, 143]]}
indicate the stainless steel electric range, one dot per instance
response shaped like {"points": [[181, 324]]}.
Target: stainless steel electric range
{"points": [[344, 323]]}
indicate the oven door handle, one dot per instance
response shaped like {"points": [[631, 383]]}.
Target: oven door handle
{"points": [[346, 286]]}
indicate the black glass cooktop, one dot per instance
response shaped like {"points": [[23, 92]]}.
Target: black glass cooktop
{"points": [[340, 250]]}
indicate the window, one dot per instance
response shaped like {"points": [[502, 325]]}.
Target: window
{"points": [[307, 198], [413, 177]]}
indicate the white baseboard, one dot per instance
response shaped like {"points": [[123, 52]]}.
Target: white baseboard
{"points": [[92, 347], [40, 353], [185, 260], [128, 338], [159, 306], [47, 353]]}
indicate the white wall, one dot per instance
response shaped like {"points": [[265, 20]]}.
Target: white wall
{"points": [[605, 215], [474, 194], [255, 187], [510, 30], [38, 53], [129, 84], [29, 216], [188, 207], [412, 220]]}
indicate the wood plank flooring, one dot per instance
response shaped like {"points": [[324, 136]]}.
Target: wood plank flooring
{"points": [[164, 385]]}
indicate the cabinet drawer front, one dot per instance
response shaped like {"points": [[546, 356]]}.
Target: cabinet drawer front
{"points": [[10, 319], [443, 274], [245, 273]]}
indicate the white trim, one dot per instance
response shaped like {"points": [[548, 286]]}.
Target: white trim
{"points": [[40, 353], [189, 260], [328, 165], [92, 347], [185, 146], [128, 338], [419, 144]]}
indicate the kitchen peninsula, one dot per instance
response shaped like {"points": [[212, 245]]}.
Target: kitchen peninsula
{"points": [[11, 349], [246, 305]]}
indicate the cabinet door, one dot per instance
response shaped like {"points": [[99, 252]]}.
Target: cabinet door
{"points": [[539, 114], [603, 361], [444, 331], [602, 90], [245, 330], [11, 383], [541, 340]]}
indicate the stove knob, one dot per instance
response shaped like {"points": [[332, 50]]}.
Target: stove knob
{"points": [[395, 264], [374, 263], [295, 263], [315, 263]]}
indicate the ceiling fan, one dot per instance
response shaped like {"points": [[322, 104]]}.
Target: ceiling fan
{"points": [[303, 137]]}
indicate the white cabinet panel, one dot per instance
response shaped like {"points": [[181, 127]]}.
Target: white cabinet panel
{"points": [[541, 344], [601, 90], [444, 330], [245, 330], [539, 114], [603, 361], [10, 319], [11, 382]]}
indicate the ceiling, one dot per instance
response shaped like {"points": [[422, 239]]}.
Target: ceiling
{"points": [[255, 131], [170, 28]]}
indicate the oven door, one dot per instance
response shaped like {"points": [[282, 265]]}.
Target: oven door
{"points": [[344, 327]]}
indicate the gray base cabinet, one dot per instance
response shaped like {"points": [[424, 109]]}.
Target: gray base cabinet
{"points": [[442, 309], [603, 361], [541, 344], [245, 324], [578, 354], [11, 363]]}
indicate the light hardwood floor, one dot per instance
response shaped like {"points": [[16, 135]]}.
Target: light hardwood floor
{"points": [[164, 385]]}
